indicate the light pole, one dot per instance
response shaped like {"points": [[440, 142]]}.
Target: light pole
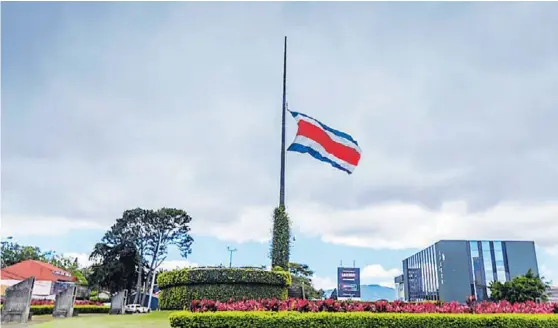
{"points": [[231, 250]]}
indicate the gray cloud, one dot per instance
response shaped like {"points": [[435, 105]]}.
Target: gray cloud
{"points": [[179, 105]]}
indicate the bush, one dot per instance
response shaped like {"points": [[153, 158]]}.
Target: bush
{"points": [[47, 309], [51, 302], [255, 319], [180, 287], [222, 276]]}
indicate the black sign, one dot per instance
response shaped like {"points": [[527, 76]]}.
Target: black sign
{"points": [[348, 282]]}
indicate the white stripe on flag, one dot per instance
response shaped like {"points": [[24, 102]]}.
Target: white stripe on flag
{"points": [[333, 137], [317, 147]]}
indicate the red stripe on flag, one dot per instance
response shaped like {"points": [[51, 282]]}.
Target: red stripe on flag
{"points": [[338, 150]]}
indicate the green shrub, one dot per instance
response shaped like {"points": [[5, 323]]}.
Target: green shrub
{"points": [[180, 287], [47, 309], [222, 276], [99, 299], [184, 319]]}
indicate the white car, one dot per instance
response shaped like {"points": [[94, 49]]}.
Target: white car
{"points": [[137, 308]]}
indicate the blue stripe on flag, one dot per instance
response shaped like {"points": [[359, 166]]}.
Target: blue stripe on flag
{"points": [[327, 128], [305, 149]]}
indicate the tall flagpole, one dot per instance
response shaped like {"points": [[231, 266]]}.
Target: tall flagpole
{"points": [[284, 111]]}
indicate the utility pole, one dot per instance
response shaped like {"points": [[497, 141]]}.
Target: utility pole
{"points": [[231, 250]]}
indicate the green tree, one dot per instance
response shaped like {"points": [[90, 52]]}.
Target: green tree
{"points": [[168, 226], [281, 239], [115, 265], [148, 233], [528, 287], [132, 228], [67, 263], [302, 277], [13, 253]]}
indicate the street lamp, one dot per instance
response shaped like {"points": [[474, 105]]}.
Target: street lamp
{"points": [[231, 250]]}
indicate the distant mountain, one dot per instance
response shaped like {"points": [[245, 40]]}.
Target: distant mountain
{"points": [[373, 293]]}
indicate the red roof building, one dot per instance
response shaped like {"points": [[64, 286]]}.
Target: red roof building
{"points": [[42, 271]]}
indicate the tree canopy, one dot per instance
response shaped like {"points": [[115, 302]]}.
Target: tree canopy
{"points": [[141, 237], [528, 287], [115, 264], [13, 253], [302, 277]]}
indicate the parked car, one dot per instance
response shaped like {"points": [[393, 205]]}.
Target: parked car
{"points": [[137, 308]]}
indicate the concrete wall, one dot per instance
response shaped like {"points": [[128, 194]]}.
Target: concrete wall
{"points": [[41, 289], [521, 256], [17, 303], [64, 304], [453, 270]]}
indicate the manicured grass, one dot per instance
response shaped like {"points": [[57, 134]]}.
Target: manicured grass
{"points": [[158, 319]]}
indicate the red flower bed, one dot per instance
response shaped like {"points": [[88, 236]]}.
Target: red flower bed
{"points": [[379, 306], [51, 302]]}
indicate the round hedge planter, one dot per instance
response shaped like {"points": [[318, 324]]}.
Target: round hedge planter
{"points": [[180, 287]]}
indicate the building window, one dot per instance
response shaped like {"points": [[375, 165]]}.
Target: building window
{"points": [[478, 268], [506, 265], [425, 275], [422, 275], [415, 279], [499, 259], [487, 262], [474, 249], [436, 281], [431, 272]]}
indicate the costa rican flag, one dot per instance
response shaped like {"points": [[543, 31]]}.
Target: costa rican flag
{"points": [[325, 144]]}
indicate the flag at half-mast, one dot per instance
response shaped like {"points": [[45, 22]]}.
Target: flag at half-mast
{"points": [[325, 144]]}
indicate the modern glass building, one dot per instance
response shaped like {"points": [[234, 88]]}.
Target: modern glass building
{"points": [[452, 270]]}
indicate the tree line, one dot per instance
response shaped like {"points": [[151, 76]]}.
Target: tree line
{"points": [[132, 250], [127, 256], [13, 252]]}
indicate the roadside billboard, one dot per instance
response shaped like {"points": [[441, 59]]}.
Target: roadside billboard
{"points": [[348, 283]]}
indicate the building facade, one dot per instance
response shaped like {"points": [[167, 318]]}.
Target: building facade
{"points": [[48, 279], [399, 288], [452, 270]]}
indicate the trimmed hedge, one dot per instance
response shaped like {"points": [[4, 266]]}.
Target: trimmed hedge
{"points": [[47, 309], [180, 287], [222, 276], [185, 319]]}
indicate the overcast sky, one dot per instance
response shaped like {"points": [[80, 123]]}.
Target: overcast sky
{"points": [[110, 106]]}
